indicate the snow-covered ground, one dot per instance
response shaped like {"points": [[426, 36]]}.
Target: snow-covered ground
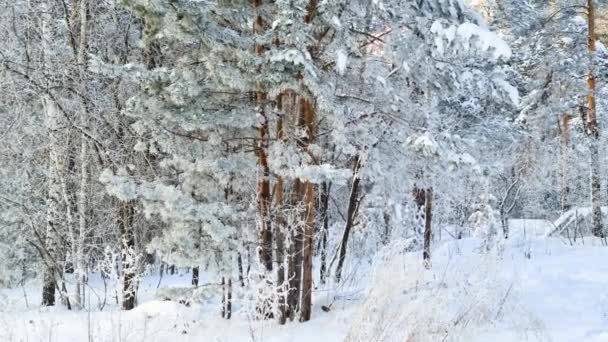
{"points": [[535, 289]]}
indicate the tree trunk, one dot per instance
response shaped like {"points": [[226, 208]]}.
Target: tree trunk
{"points": [[428, 211], [264, 229], [55, 125], [78, 257], [592, 129], [48, 286], [565, 189], [280, 228], [309, 223], [226, 298], [386, 237], [54, 215], [419, 199], [195, 276], [351, 213], [223, 283], [504, 222], [126, 212], [263, 188], [307, 253], [294, 259], [239, 262], [197, 246], [325, 193]]}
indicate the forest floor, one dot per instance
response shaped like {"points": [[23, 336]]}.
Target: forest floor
{"points": [[557, 292]]}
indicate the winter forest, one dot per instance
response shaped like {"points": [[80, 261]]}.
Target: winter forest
{"points": [[303, 170]]}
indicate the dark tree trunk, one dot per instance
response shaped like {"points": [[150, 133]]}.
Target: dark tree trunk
{"points": [[195, 275], [223, 297], [325, 193], [353, 206], [419, 199], [229, 300], [280, 252], [126, 214], [263, 188], [280, 224], [248, 265], [239, 261], [386, 237], [428, 211], [226, 298], [294, 258], [307, 254], [197, 246], [265, 232], [48, 288]]}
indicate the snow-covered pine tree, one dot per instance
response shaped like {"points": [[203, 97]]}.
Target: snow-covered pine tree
{"points": [[457, 99]]}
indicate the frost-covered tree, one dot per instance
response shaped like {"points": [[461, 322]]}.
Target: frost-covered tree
{"points": [[461, 98], [560, 60], [267, 140], [48, 60]]}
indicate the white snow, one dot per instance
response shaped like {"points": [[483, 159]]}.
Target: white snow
{"points": [[557, 294], [341, 61], [511, 90], [487, 39], [470, 36], [526, 228]]}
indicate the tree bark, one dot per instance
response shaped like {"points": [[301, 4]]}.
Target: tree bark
{"points": [[239, 262], [195, 276], [428, 217], [325, 193], [307, 253], [48, 287], [308, 116], [592, 129], [386, 237], [351, 213], [126, 212], [54, 124], [78, 257], [54, 200], [280, 228], [294, 258], [226, 298], [565, 189], [263, 188], [264, 201], [419, 199]]}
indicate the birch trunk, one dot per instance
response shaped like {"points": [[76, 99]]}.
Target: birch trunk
{"points": [[79, 258], [54, 123]]}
